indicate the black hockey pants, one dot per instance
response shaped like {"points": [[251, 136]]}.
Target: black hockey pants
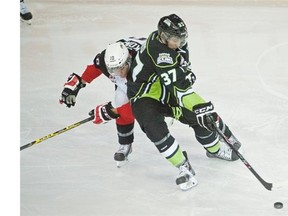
{"points": [[150, 115]]}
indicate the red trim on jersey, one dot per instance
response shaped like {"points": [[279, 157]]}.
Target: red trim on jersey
{"points": [[126, 115], [72, 82], [91, 73]]}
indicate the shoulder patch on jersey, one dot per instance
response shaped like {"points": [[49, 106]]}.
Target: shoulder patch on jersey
{"points": [[164, 58]]}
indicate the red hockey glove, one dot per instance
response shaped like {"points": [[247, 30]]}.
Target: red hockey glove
{"points": [[103, 113], [71, 89]]}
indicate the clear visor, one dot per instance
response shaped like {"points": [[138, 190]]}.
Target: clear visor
{"points": [[118, 69], [180, 41]]}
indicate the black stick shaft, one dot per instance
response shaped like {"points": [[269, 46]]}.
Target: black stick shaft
{"points": [[267, 185], [56, 133]]}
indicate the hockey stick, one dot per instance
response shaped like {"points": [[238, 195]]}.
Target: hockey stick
{"points": [[267, 185], [56, 133]]}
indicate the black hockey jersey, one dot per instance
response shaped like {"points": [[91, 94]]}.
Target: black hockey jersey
{"points": [[159, 72]]}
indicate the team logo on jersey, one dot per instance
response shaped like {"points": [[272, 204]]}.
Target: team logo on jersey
{"points": [[164, 58]]}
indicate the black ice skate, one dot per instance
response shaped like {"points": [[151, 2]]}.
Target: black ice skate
{"points": [[186, 179], [25, 14], [121, 156]]}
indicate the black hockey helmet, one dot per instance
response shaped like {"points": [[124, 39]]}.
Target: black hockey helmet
{"points": [[172, 26]]}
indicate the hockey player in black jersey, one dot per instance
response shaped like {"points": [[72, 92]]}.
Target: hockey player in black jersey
{"points": [[161, 85]]}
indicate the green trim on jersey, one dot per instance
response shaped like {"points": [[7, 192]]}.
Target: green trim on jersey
{"points": [[142, 91], [155, 91], [151, 56], [157, 73], [153, 88]]}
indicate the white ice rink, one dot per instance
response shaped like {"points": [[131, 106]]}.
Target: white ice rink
{"points": [[239, 52]]}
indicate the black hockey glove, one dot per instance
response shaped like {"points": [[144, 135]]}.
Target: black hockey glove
{"points": [[187, 68], [191, 77], [103, 113], [205, 115], [71, 89]]}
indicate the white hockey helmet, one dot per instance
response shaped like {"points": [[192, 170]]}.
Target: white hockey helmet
{"points": [[116, 56]]}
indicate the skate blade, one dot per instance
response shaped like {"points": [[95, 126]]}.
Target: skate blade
{"points": [[119, 164], [186, 182], [28, 22], [182, 179]]}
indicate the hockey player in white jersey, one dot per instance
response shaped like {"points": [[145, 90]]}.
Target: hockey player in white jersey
{"points": [[114, 62]]}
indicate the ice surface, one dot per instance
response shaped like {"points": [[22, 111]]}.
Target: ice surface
{"points": [[240, 56]]}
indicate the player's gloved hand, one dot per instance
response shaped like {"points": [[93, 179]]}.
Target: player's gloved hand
{"points": [[103, 113], [71, 89], [186, 66], [205, 115], [191, 77]]}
